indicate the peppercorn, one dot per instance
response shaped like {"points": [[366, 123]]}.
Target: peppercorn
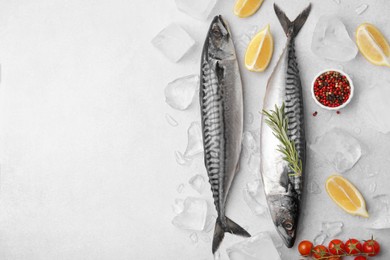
{"points": [[332, 89]]}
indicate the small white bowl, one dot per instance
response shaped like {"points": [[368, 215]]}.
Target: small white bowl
{"points": [[350, 84]]}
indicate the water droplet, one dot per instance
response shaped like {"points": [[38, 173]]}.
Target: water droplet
{"points": [[180, 188], [361, 9], [171, 120], [194, 238], [372, 187]]}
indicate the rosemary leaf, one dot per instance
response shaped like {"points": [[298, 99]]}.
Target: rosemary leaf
{"points": [[277, 121]]}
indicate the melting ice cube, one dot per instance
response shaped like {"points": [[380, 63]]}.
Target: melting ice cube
{"points": [[320, 238], [254, 197], [314, 188], [194, 145], [380, 214], [375, 106], [180, 93], [210, 223], [199, 9], [173, 41], [197, 183], [332, 229], [331, 40], [257, 247], [180, 158], [339, 148], [193, 216], [244, 39], [195, 141]]}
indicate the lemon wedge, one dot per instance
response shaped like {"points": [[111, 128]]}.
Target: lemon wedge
{"points": [[373, 45], [259, 51], [346, 196], [245, 8]]}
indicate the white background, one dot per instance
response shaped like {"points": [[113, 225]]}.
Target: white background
{"points": [[87, 158]]}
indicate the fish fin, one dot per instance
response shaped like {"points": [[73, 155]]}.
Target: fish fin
{"points": [[231, 227], [292, 28], [219, 234], [235, 229]]}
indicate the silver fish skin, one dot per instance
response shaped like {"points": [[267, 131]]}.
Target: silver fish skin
{"points": [[284, 191], [221, 102]]}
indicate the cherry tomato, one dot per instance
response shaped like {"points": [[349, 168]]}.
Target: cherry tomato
{"points": [[353, 246], [334, 258], [360, 258], [371, 247], [336, 247], [305, 247], [320, 251]]}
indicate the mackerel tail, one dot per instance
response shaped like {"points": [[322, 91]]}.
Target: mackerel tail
{"points": [[283, 188], [221, 103]]}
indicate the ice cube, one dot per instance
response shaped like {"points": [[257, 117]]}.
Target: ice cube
{"points": [[332, 229], [180, 93], [195, 141], [337, 1], [197, 183], [361, 9], [244, 39], [171, 120], [210, 223], [194, 238], [339, 148], [180, 158], [380, 215], [173, 41], [254, 197], [257, 247], [375, 106], [331, 40], [193, 216], [199, 9], [314, 188], [320, 238]]}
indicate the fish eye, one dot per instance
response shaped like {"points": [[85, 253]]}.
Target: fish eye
{"points": [[216, 32], [288, 225]]}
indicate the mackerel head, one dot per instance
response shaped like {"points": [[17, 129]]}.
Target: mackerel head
{"points": [[283, 188], [221, 104]]}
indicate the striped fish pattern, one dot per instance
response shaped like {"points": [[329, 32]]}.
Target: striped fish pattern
{"points": [[221, 104], [282, 188], [294, 111]]}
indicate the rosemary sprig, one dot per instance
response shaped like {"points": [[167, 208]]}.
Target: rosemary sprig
{"points": [[278, 122]]}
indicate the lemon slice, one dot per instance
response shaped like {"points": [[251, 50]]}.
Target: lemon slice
{"points": [[245, 8], [346, 195], [373, 45], [259, 51]]}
